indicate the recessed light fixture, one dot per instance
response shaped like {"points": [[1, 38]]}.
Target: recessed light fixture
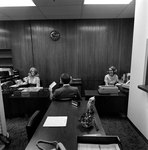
{"points": [[93, 2], [16, 3]]}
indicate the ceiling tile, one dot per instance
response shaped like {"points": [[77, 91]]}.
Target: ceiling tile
{"points": [[28, 17], [4, 17], [103, 9], [61, 10], [125, 16], [64, 17], [96, 16], [128, 12], [57, 2], [67, 9], [20, 11]]}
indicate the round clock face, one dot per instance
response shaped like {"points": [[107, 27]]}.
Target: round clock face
{"points": [[55, 35]]}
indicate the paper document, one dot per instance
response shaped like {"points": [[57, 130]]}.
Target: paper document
{"points": [[15, 85], [32, 89], [55, 121], [52, 84]]}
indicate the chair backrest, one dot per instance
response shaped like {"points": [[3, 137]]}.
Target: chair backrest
{"points": [[63, 99], [33, 123]]}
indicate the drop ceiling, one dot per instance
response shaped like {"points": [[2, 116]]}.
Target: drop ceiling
{"points": [[66, 9]]}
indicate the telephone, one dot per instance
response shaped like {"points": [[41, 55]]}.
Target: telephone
{"points": [[126, 85], [60, 146], [57, 145], [128, 82]]}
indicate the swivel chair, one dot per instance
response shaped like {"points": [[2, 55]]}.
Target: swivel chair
{"points": [[33, 123]]}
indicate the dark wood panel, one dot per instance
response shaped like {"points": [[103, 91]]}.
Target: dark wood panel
{"points": [[5, 42], [124, 58], [21, 43], [86, 48]]}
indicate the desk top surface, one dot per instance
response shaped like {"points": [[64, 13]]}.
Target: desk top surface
{"points": [[74, 82], [143, 87], [96, 93], [67, 135]]}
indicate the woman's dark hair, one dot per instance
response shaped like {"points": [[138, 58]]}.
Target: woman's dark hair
{"points": [[113, 69]]}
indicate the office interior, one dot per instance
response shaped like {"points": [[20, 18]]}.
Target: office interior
{"points": [[85, 49]]}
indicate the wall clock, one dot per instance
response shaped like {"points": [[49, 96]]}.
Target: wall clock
{"points": [[55, 35]]}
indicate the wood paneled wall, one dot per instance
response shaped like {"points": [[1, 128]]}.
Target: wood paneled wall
{"points": [[86, 48]]}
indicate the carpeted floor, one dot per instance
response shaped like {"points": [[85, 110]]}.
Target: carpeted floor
{"points": [[129, 137], [17, 132]]}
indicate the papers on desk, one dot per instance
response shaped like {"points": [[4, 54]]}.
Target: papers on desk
{"points": [[15, 85], [30, 89], [97, 134], [98, 147], [55, 121]]}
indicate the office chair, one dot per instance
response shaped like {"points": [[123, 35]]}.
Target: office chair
{"points": [[63, 99], [33, 123]]}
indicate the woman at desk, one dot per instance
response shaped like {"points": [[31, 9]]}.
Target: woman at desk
{"points": [[33, 79], [111, 78]]}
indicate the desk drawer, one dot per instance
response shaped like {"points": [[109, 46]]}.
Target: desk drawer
{"points": [[17, 93], [33, 94], [43, 93], [25, 94]]}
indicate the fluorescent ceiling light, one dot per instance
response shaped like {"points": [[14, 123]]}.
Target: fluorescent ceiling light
{"points": [[16, 3], [107, 1]]}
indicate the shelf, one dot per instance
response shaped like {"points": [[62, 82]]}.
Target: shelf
{"points": [[6, 65], [5, 58], [143, 88], [9, 78]]}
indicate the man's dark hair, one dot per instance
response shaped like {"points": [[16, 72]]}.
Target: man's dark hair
{"points": [[65, 77]]}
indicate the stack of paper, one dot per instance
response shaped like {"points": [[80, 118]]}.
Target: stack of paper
{"points": [[98, 147], [55, 121]]}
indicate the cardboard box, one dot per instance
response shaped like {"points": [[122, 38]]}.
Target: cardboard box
{"points": [[99, 142]]}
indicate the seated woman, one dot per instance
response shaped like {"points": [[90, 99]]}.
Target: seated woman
{"points": [[33, 79], [111, 78]]}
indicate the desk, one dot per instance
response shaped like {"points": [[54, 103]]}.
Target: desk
{"points": [[67, 135], [6, 101], [109, 103], [19, 106], [143, 87]]}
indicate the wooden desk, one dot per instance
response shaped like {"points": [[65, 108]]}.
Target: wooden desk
{"points": [[20, 106], [7, 105], [67, 135], [109, 103]]}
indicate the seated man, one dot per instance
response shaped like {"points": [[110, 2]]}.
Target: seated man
{"points": [[66, 92]]}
